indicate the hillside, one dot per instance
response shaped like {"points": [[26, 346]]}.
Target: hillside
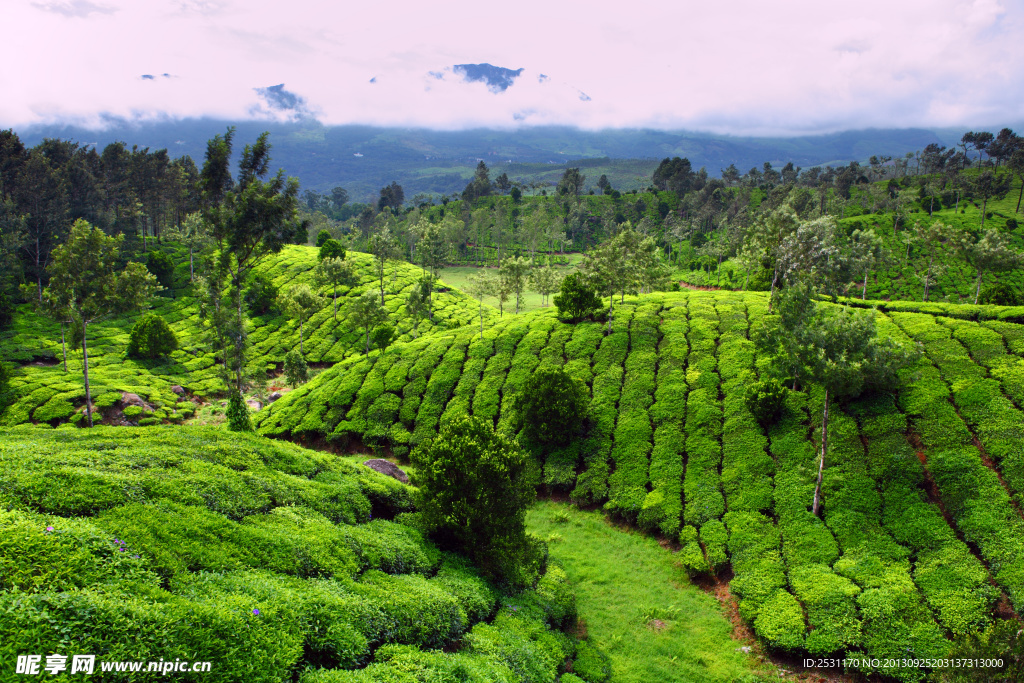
{"points": [[46, 394], [921, 539], [265, 561], [424, 160]]}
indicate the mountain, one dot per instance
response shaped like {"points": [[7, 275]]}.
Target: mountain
{"points": [[364, 158]]}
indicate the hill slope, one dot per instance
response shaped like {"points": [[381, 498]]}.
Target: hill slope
{"points": [[45, 393], [265, 561], [921, 498]]}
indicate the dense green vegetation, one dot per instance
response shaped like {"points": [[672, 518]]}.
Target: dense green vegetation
{"points": [[675, 450], [267, 560]]}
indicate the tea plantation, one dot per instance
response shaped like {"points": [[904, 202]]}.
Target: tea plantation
{"points": [[267, 560], [921, 539], [46, 394]]}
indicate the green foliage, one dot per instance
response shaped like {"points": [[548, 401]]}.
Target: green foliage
{"points": [[553, 408], [238, 414], [765, 400], [474, 487], [576, 299], [260, 294], [322, 237], [296, 371], [382, 336], [159, 263], [331, 248], [151, 337]]}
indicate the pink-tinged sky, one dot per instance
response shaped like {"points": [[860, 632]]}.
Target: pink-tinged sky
{"points": [[742, 67]]}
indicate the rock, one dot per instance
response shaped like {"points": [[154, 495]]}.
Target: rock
{"points": [[388, 468], [133, 400], [254, 404], [178, 390], [745, 649], [274, 396], [223, 403]]}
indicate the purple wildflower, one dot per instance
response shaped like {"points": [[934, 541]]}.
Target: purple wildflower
{"points": [[121, 549], [256, 611], [49, 528]]}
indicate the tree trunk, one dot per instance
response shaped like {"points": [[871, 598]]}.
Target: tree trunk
{"points": [[611, 309], [238, 297], [300, 337], [984, 207], [63, 347], [335, 303], [1020, 195], [367, 339], [821, 463], [771, 295], [864, 293], [977, 291], [191, 267], [85, 371], [481, 318]]}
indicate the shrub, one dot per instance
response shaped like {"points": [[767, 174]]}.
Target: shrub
{"points": [[1002, 294], [591, 664], [260, 294], [1011, 223], [238, 414], [576, 299], [151, 337], [296, 371], [552, 407], [322, 237], [6, 309], [162, 267], [331, 248], [474, 488], [765, 400], [382, 336]]}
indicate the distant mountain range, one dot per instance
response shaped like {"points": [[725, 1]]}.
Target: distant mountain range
{"points": [[363, 159]]}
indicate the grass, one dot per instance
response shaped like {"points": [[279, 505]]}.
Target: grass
{"points": [[624, 581], [458, 277]]}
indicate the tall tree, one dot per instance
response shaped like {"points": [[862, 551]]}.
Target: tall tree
{"points": [[368, 313], [299, 302], [867, 251], [571, 183], [988, 186], [515, 273], [195, 232], [545, 281], [432, 251], [333, 272], [1016, 165], [250, 221], [932, 241], [89, 281], [481, 285], [43, 198], [987, 252], [835, 348], [385, 249]]}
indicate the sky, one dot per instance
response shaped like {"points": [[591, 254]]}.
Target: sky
{"points": [[746, 67]]}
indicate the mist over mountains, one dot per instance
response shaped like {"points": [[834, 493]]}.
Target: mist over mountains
{"points": [[364, 158]]}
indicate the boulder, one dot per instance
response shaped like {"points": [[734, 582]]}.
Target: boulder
{"points": [[178, 390], [254, 404], [274, 396], [388, 468], [130, 399]]}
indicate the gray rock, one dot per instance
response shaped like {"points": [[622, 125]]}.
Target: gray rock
{"points": [[274, 396], [254, 404], [130, 399], [388, 468], [178, 390]]}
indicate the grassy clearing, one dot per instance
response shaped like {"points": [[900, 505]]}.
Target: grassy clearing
{"points": [[625, 585], [458, 276]]}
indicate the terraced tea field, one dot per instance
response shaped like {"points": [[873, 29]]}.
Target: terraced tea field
{"points": [[921, 537], [46, 394]]}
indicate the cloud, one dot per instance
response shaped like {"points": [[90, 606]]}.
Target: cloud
{"points": [[74, 8], [748, 67]]}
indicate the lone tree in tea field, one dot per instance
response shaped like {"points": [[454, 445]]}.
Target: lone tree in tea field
{"points": [[88, 281], [474, 487], [300, 302], [250, 220], [835, 348]]}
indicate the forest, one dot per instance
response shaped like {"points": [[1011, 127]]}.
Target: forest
{"points": [[782, 407]]}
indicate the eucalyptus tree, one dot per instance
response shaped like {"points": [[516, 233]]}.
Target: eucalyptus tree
{"points": [[987, 185], [987, 252], [515, 273], [300, 302], [835, 348], [932, 240], [195, 232], [482, 285], [368, 313], [334, 272], [250, 220], [545, 281], [88, 281], [384, 247], [867, 252]]}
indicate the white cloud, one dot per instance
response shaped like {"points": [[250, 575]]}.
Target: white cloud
{"points": [[745, 67]]}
